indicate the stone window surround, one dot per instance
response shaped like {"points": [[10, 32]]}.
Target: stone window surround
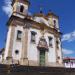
{"points": [[50, 41], [19, 35], [33, 39]]}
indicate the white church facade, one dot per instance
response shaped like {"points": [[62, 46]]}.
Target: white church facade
{"points": [[33, 40]]}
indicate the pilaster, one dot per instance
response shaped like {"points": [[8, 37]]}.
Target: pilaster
{"points": [[9, 56], [24, 59]]}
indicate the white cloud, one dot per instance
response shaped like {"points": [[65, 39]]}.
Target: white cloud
{"points": [[7, 8], [67, 52], [69, 37]]}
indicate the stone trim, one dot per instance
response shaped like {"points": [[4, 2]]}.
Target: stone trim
{"points": [[61, 50], [56, 50], [24, 59], [9, 57], [34, 24], [15, 12], [17, 22], [46, 57]]}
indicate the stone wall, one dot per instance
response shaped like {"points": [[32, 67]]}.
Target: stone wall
{"points": [[25, 70]]}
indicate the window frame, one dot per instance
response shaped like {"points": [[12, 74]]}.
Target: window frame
{"points": [[55, 23], [57, 44], [33, 37], [21, 8], [19, 35], [50, 41]]}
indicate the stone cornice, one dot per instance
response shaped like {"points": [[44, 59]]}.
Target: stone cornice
{"points": [[28, 23]]}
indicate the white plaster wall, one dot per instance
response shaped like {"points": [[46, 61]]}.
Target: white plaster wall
{"points": [[41, 20], [69, 65], [51, 53], [7, 42], [21, 16], [59, 51], [33, 53], [0, 58], [17, 45], [48, 22], [37, 19]]}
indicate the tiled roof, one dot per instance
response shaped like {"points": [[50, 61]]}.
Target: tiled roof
{"points": [[69, 58]]}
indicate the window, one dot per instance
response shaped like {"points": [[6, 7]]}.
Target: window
{"points": [[33, 36], [16, 52], [21, 8], [55, 23], [19, 35], [50, 41], [57, 44]]}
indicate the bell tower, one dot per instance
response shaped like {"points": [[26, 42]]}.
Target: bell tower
{"points": [[20, 8], [14, 45]]}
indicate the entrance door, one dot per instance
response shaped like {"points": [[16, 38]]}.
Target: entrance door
{"points": [[42, 58]]}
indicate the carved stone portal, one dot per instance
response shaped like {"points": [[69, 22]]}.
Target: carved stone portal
{"points": [[42, 44]]}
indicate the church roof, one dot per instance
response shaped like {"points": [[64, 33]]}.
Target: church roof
{"points": [[69, 58]]}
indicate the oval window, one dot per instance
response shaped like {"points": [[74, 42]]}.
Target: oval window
{"points": [[16, 51]]}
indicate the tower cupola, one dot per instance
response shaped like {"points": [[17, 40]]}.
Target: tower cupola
{"points": [[20, 7]]}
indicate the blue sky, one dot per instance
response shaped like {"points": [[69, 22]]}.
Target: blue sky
{"points": [[65, 9]]}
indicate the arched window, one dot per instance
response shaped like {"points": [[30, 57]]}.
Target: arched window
{"points": [[21, 8], [33, 38], [50, 41], [55, 23]]}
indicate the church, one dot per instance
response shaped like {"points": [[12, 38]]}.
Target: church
{"points": [[33, 40]]}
